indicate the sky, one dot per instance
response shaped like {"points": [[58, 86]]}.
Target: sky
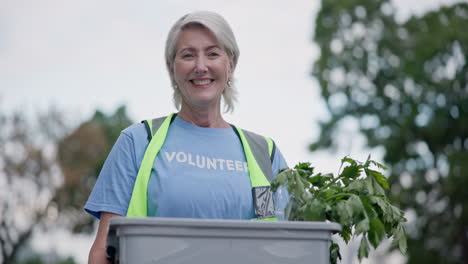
{"points": [[88, 54]]}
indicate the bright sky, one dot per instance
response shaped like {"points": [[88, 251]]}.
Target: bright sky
{"points": [[80, 55]]}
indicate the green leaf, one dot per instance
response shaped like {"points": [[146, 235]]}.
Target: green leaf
{"points": [[314, 211], [367, 204], [314, 179], [288, 210], [328, 193], [363, 251], [379, 165], [304, 166], [356, 207], [345, 233], [362, 226], [348, 160], [373, 187], [376, 232], [280, 179], [334, 253], [351, 171], [300, 187], [399, 238], [379, 177], [346, 181], [383, 205], [345, 212], [356, 186], [320, 180], [395, 214]]}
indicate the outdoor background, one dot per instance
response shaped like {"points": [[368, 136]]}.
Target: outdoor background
{"points": [[324, 80]]}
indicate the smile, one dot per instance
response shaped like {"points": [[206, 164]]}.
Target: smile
{"points": [[201, 82]]}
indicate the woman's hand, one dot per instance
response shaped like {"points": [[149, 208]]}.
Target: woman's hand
{"points": [[97, 253]]}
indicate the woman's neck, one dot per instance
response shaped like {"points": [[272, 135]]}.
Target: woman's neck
{"points": [[203, 118]]}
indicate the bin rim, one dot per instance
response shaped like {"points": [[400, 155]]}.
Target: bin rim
{"points": [[222, 223]]}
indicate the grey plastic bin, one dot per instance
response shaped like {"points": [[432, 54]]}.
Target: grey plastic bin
{"points": [[194, 241]]}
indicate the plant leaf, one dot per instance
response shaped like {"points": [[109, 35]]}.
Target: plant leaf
{"points": [[373, 187], [304, 166], [356, 186], [345, 212], [351, 171], [348, 160], [314, 179], [379, 177], [376, 232], [379, 165], [356, 207], [314, 211], [299, 188], [399, 238], [367, 204], [363, 251], [280, 179], [362, 226], [346, 233], [334, 253]]}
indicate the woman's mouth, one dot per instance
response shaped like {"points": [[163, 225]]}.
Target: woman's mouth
{"points": [[201, 82]]}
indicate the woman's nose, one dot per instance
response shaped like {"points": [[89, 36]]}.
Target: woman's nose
{"points": [[200, 65]]}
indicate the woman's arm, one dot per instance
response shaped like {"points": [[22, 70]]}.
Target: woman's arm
{"points": [[97, 253]]}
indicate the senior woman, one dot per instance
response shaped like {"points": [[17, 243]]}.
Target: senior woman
{"points": [[191, 164]]}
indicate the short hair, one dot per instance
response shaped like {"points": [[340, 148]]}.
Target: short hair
{"points": [[223, 33]]}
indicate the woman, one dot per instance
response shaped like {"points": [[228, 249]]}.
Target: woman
{"points": [[202, 167]]}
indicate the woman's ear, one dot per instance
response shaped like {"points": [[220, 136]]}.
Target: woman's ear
{"points": [[231, 68], [231, 64], [169, 66]]}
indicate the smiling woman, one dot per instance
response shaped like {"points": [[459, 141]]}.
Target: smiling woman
{"points": [[190, 164], [202, 70]]}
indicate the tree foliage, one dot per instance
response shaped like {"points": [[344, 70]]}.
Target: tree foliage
{"points": [[81, 156], [47, 172], [29, 177], [406, 85]]}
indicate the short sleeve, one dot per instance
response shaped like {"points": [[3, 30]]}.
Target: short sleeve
{"points": [[281, 196], [114, 186]]}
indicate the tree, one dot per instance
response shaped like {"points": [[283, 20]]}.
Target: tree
{"points": [[47, 173], [29, 176], [406, 86], [81, 156]]}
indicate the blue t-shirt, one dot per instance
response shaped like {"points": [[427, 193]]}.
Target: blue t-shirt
{"points": [[199, 173]]}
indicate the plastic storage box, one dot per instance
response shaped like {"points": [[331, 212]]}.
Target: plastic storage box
{"points": [[200, 241]]}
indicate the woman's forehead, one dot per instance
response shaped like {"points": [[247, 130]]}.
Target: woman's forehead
{"points": [[197, 38]]}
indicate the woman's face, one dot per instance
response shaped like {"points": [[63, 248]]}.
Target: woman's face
{"points": [[201, 68]]}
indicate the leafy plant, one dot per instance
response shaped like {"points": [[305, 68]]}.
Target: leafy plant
{"points": [[355, 199]]}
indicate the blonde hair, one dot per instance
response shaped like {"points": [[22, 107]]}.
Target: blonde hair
{"points": [[223, 33]]}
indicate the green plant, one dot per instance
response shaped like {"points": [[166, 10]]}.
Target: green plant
{"points": [[355, 199]]}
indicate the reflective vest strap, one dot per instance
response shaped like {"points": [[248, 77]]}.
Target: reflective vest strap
{"points": [[271, 149], [261, 149], [157, 123], [138, 201], [256, 154], [266, 219], [270, 145]]}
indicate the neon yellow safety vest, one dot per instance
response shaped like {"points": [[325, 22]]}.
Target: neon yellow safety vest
{"points": [[258, 151]]}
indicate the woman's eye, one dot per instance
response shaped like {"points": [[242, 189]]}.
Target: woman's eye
{"points": [[213, 54], [187, 55]]}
